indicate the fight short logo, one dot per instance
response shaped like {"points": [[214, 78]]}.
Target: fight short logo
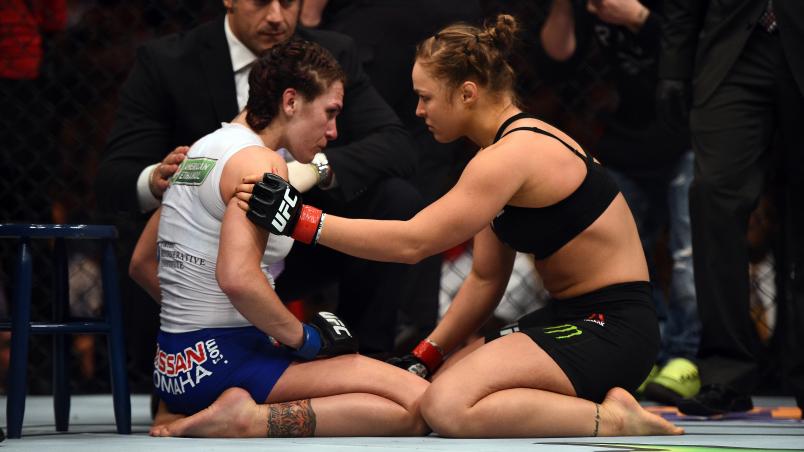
{"points": [[600, 319], [283, 215], [565, 331], [336, 323], [175, 373]]}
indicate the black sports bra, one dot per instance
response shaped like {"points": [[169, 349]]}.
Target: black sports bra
{"points": [[543, 230]]}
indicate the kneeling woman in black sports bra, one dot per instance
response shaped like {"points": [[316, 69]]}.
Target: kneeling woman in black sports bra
{"points": [[561, 370]]}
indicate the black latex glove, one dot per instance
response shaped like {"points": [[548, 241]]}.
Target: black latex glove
{"points": [[673, 98]]}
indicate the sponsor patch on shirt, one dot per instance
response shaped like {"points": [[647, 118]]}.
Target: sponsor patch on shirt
{"points": [[193, 171]]}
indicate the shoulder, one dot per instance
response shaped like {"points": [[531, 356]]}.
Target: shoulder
{"points": [[256, 159], [524, 155]]}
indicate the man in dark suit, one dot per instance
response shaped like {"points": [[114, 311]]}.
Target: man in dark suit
{"points": [[184, 85], [386, 33], [744, 61]]}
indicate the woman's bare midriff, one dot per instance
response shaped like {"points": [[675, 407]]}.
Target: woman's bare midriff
{"points": [[607, 252]]}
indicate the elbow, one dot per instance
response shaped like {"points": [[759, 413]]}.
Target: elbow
{"points": [[558, 48], [232, 282], [562, 53], [413, 254]]}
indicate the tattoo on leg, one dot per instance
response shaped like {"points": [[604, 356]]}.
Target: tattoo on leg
{"points": [[291, 419]]}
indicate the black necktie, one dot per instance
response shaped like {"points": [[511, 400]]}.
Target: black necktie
{"points": [[768, 19]]}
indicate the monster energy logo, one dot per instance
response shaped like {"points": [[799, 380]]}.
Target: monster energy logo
{"points": [[563, 331]]}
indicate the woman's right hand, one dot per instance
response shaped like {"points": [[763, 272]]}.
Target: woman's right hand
{"points": [[159, 180], [244, 190]]}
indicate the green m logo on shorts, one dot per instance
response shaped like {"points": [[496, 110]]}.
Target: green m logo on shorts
{"points": [[565, 331], [193, 171]]}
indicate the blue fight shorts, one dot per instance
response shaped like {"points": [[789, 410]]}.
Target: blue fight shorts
{"points": [[192, 369]]}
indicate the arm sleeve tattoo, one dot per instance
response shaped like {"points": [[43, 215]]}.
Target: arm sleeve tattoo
{"points": [[291, 419]]}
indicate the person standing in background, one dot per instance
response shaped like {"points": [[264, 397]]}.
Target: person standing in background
{"points": [[740, 63]]}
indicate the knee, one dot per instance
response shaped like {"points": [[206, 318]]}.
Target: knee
{"points": [[416, 426], [408, 394], [443, 410]]}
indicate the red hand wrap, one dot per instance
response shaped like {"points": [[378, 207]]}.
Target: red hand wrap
{"points": [[307, 225], [429, 354]]}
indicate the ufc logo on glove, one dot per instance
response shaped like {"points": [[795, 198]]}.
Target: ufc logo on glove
{"points": [[336, 323], [283, 215]]}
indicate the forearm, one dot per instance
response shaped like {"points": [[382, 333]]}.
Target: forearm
{"points": [[239, 274], [147, 277], [470, 309], [558, 31], [256, 300], [385, 240], [144, 265], [377, 240]]}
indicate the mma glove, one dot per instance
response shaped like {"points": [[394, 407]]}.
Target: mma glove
{"points": [[277, 206], [423, 361], [325, 336]]}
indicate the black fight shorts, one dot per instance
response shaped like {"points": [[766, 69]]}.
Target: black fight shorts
{"points": [[602, 339]]}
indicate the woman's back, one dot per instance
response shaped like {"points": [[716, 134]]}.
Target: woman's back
{"points": [[189, 233]]}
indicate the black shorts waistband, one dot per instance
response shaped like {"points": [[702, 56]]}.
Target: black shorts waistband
{"points": [[628, 291]]}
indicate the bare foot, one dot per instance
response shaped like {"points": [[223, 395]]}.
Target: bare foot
{"points": [[622, 415], [233, 415], [163, 417]]}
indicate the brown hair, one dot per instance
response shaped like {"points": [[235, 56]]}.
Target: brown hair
{"points": [[302, 65], [463, 52]]}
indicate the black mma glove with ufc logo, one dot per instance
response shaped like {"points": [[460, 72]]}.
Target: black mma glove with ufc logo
{"points": [[277, 207], [325, 336]]}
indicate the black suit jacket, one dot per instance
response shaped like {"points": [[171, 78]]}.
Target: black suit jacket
{"points": [[182, 87], [703, 38]]}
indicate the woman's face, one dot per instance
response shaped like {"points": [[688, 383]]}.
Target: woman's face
{"points": [[439, 110], [313, 125]]}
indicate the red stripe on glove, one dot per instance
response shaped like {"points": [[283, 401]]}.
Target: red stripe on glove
{"points": [[307, 225]]}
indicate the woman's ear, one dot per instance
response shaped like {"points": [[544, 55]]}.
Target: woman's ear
{"points": [[468, 92], [289, 101]]}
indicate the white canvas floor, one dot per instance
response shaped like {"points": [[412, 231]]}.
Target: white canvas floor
{"points": [[92, 429]]}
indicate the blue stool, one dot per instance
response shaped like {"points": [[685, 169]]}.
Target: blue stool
{"points": [[21, 326]]}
